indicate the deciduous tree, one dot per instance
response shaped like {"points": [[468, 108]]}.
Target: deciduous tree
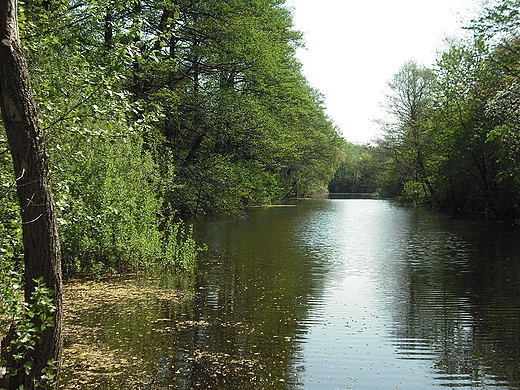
{"points": [[28, 360], [408, 138]]}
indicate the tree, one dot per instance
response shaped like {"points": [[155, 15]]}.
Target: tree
{"points": [[465, 168], [240, 120], [28, 362], [408, 138]]}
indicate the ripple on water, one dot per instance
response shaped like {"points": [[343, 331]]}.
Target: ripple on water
{"points": [[381, 296]]}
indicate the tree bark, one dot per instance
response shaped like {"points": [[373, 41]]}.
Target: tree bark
{"points": [[40, 233]]}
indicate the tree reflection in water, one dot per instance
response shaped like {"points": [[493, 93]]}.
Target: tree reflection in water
{"points": [[325, 294]]}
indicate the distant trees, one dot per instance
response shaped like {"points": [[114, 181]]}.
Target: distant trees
{"points": [[359, 171], [466, 165], [234, 120], [246, 128]]}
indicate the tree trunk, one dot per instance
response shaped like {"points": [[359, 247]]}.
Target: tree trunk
{"points": [[40, 234]]}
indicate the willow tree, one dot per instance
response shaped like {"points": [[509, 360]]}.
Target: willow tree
{"points": [[29, 360]]}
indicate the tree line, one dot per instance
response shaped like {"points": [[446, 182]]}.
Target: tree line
{"points": [[143, 111], [453, 142], [156, 109]]}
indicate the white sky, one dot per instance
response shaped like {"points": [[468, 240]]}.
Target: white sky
{"points": [[354, 47]]}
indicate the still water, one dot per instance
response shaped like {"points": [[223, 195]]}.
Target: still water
{"points": [[346, 294]]}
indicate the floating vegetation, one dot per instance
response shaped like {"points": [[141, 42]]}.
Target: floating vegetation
{"points": [[89, 361]]}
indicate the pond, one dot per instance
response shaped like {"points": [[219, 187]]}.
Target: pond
{"points": [[332, 294]]}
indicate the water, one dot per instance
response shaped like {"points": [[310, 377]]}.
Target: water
{"points": [[344, 294]]}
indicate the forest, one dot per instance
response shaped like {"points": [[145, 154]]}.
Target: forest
{"points": [[453, 141], [155, 110]]}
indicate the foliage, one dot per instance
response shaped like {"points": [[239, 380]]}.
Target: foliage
{"points": [[26, 321], [457, 149], [156, 109], [408, 140], [179, 250], [359, 171], [108, 207]]}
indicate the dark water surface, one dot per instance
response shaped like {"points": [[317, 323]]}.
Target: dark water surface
{"points": [[346, 294]]}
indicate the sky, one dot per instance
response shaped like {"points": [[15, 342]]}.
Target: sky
{"points": [[354, 47]]}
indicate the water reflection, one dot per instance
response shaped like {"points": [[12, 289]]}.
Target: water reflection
{"points": [[462, 299], [392, 297], [255, 290], [337, 294]]}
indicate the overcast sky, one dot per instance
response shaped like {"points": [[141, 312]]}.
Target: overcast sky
{"points": [[354, 47]]}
